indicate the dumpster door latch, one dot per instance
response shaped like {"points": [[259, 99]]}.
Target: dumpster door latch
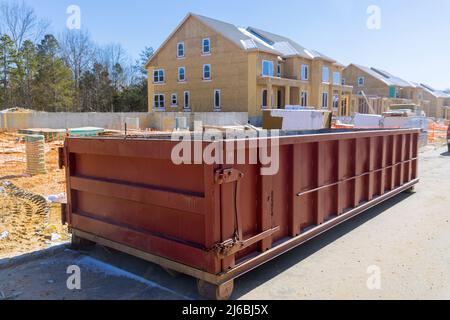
{"points": [[233, 246], [228, 176]]}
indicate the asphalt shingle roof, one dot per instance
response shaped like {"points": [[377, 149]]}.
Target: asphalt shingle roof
{"points": [[434, 92], [252, 38], [234, 34], [386, 77]]}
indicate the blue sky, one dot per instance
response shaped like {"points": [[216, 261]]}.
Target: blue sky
{"points": [[413, 41]]}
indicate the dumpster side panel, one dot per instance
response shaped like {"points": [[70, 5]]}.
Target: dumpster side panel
{"points": [[305, 169], [281, 200], [320, 181], [130, 192]]}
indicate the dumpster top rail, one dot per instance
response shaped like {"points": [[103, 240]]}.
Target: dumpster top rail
{"points": [[253, 134]]}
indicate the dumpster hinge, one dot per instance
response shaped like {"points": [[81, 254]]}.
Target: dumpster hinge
{"points": [[228, 176]]}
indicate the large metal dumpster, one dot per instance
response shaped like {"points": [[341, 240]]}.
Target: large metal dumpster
{"points": [[217, 222]]}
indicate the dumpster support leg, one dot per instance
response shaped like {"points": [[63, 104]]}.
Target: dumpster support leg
{"points": [[78, 243], [215, 292]]}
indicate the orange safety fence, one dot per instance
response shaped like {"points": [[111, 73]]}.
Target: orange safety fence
{"points": [[437, 131]]}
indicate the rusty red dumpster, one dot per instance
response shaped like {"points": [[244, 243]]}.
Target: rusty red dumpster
{"points": [[216, 222]]}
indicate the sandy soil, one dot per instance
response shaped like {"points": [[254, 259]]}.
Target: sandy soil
{"points": [[13, 167], [26, 220]]}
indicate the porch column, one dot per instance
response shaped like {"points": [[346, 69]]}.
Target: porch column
{"points": [[287, 96], [349, 106], [270, 95], [330, 98]]}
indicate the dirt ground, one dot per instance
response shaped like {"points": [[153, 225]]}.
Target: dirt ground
{"points": [[27, 222], [13, 166], [405, 242]]}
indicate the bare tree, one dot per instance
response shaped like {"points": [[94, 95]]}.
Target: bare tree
{"points": [[117, 62], [20, 23], [77, 51]]}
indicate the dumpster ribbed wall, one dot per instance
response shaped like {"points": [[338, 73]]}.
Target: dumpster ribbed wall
{"points": [[130, 192]]}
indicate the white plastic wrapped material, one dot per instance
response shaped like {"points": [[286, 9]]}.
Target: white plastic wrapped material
{"points": [[368, 120], [418, 122], [300, 119], [57, 198], [55, 237], [4, 235]]}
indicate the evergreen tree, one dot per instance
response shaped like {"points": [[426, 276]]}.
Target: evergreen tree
{"points": [[53, 85], [133, 98], [29, 65], [39, 77], [96, 90], [8, 58]]}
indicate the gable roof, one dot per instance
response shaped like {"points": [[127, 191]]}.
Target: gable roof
{"points": [[251, 39], [386, 77], [434, 92], [288, 47], [235, 34]]}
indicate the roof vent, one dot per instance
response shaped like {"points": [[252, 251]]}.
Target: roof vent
{"points": [[427, 87], [382, 73], [249, 44], [260, 37]]}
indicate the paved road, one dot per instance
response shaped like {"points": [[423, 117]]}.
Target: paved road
{"points": [[404, 244]]}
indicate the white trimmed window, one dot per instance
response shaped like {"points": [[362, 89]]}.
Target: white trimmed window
{"points": [[206, 46], [267, 68], [181, 74], [158, 76], [304, 99], [174, 100], [325, 74], [180, 50], [361, 81], [217, 100], [325, 100], [207, 72], [158, 103], [337, 78], [305, 72], [187, 101]]}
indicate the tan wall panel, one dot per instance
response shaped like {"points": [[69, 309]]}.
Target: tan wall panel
{"points": [[372, 86], [229, 70], [234, 72], [252, 91]]}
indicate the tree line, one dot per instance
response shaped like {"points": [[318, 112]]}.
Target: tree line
{"points": [[66, 72]]}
